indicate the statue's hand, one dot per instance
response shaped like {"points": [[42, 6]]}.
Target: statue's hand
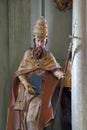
{"points": [[31, 90], [59, 74]]}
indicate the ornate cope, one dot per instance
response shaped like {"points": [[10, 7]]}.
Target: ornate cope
{"points": [[29, 63]]}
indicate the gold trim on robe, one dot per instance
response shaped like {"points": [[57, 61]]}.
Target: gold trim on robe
{"points": [[29, 63]]}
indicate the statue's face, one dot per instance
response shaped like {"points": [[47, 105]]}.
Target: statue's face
{"points": [[39, 49], [40, 42]]}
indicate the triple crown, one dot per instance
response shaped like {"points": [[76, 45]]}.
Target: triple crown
{"points": [[41, 29]]}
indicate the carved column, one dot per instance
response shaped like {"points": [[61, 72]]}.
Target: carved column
{"points": [[79, 76]]}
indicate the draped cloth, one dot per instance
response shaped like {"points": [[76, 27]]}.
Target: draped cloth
{"points": [[27, 65]]}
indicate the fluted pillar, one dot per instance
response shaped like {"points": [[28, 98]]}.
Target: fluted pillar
{"points": [[79, 76]]}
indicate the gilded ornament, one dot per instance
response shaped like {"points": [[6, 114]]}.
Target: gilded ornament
{"points": [[64, 5]]}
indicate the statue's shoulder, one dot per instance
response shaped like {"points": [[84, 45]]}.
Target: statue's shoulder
{"points": [[28, 51], [49, 54]]}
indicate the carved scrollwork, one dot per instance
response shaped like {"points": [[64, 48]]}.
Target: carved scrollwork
{"points": [[64, 5]]}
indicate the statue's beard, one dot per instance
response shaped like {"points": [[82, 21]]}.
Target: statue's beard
{"points": [[38, 52]]}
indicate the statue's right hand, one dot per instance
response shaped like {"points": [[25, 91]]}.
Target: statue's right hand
{"points": [[29, 87], [31, 90]]}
